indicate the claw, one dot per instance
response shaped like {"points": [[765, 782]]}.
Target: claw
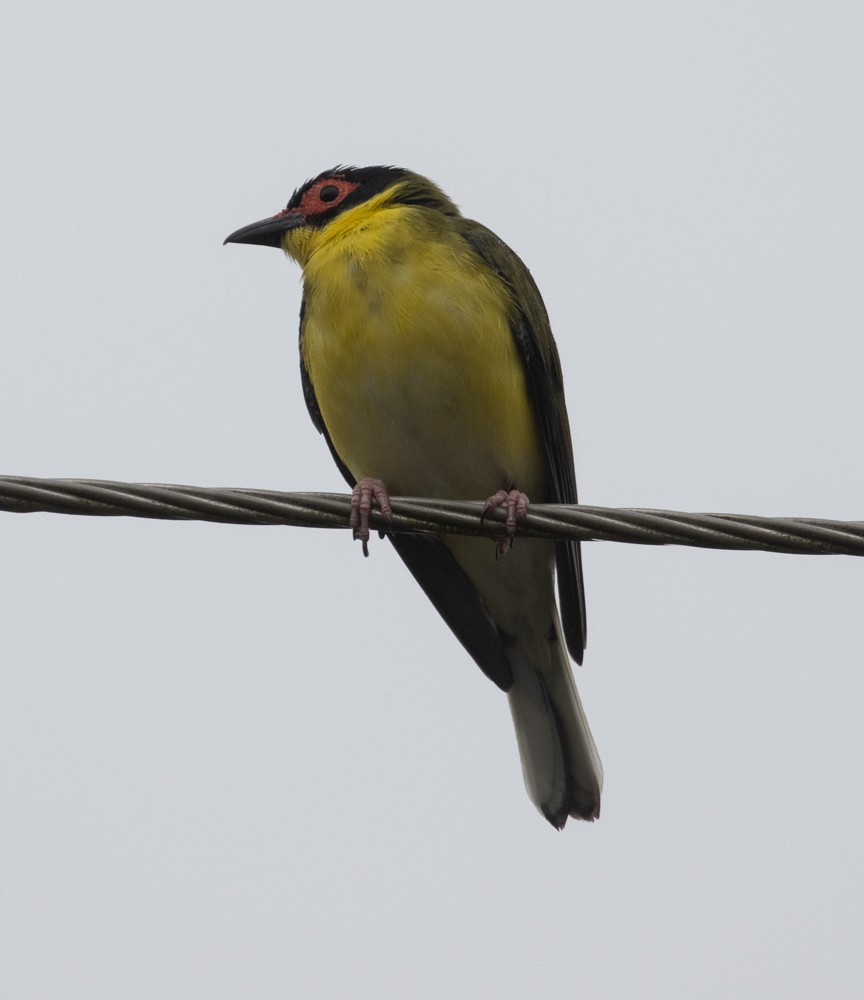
{"points": [[364, 494], [516, 504]]}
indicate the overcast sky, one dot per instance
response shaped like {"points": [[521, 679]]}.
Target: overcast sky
{"points": [[246, 762]]}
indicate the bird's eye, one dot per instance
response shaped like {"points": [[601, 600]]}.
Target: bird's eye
{"points": [[323, 194]]}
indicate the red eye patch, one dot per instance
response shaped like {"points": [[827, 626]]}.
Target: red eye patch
{"points": [[324, 194]]}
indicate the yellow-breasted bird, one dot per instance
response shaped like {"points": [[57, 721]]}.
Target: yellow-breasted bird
{"points": [[428, 363]]}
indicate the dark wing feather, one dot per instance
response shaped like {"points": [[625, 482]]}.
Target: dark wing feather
{"points": [[456, 599], [443, 580], [533, 334]]}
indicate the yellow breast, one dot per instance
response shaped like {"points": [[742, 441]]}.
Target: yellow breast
{"points": [[407, 342]]}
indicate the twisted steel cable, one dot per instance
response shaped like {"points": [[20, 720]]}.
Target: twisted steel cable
{"points": [[25, 494]]}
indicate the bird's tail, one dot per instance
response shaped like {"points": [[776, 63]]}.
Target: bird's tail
{"points": [[560, 764]]}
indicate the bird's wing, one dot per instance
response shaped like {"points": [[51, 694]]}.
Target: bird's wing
{"points": [[443, 580], [458, 602], [533, 335]]}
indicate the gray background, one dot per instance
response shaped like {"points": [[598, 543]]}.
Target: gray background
{"points": [[245, 762]]}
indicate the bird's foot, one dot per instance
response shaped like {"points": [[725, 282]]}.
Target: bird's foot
{"points": [[516, 504], [366, 493]]}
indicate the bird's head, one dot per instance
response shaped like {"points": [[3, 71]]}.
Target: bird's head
{"points": [[334, 194]]}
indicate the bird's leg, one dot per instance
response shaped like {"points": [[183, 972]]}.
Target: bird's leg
{"points": [[364, 494], [516, 504]]}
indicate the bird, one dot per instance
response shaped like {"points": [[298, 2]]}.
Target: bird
{"points": [[427, 362]]}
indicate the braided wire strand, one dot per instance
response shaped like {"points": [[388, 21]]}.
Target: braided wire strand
{"points": [[94, 497]]}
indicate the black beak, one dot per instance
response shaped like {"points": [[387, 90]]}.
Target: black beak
{"points": [[267, 232]]}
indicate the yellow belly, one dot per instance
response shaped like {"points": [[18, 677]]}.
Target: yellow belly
{"points": [[407, 343]]}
